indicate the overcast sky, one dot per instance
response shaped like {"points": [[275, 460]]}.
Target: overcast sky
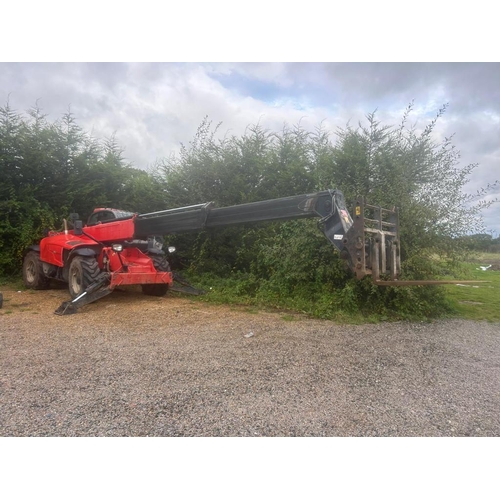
{"points": [[154, 107]]}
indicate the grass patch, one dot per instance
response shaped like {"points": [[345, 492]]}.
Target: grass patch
{"points": [[12, 282], [251, 310], [244, 309], [356, 302], [362, 302], [289, 317], [477, 301], [484, 257]]}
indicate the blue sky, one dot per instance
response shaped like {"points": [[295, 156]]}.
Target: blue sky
{"points": [[154, 107]]}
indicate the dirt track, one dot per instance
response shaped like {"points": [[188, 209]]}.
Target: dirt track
{"points": [[132, 365]]}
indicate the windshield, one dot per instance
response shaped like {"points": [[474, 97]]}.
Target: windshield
{"points": [[108, 215]]}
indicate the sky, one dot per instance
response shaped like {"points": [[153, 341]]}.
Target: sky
{"points": [[153, 108]]}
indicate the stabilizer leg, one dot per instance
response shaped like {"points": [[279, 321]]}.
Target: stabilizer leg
{"points": [[95, 291]]}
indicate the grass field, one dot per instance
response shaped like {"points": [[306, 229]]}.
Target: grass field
{"points": [[478, 301]]}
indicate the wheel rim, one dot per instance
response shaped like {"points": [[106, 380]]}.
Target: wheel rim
{"points": [[75, 281], [30, 272]]}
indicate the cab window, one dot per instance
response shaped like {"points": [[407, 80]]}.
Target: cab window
{"points": [[101, 216]]}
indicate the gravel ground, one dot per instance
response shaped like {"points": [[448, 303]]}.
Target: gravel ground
{"points": [[131, 365]]}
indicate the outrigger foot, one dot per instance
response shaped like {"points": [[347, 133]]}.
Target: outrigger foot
{"points": [[100, 288]]}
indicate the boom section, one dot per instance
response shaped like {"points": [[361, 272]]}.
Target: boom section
{"points": [[326, 205]]}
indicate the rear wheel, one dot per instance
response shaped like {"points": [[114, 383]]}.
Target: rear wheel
{"points": [[158, 289], [33, 276], [83, 271]]}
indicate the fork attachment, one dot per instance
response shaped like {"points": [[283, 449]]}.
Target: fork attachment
{"points": [[372, 241], [373, 247]]}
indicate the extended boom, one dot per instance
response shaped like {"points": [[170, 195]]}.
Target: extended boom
{"points": [[370, 243]]}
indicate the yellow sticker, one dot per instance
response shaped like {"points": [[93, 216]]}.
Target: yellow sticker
{"points": [[358, 210]]}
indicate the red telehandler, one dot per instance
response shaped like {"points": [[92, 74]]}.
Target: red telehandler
{"points": [[117, 248]]}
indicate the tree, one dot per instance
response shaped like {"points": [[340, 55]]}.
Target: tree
{"points": [[422, 177]]}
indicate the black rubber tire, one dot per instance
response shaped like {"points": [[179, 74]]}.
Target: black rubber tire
{"points": [[158, 289], [33, 276], [83, 271]]}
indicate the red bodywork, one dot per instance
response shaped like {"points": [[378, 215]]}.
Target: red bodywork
{"points": [[56, 246], [134, 268], [112, 231], [129, 267]]}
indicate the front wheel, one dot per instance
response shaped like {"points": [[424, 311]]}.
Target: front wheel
{"points": [[158, 289], [33, 276], [83, 271]]}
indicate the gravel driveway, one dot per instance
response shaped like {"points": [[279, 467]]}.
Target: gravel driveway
{"points": [[131, 365]]}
